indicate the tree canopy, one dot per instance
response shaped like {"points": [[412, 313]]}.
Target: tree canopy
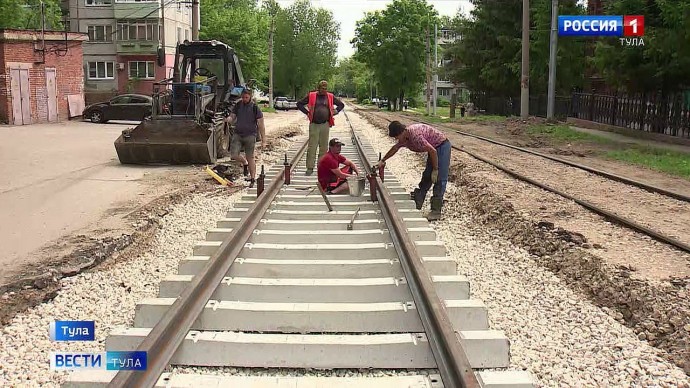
{"points": [[392, 43], [663, 62], [488, 55], [305, 46], [243, 26], [26, 14]]}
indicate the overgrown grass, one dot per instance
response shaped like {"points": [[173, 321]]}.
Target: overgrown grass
{"points": [[670, 162], [269, 110], [565, 133]]}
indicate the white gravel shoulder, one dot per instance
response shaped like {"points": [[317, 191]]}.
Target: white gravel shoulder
{"points": [[559, 336], [109, 296]]}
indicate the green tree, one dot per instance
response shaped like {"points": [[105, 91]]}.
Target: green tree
{"points": [[242, 25], [305, 47], [353, 78], [392, 44], [662, 63], [26, 14], [488, 55]]}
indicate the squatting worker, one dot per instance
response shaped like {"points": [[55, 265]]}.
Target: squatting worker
{"points": [[319, 110], [249, 119], [424, 138], [332, 178]]}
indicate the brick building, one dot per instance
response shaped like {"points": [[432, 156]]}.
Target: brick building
{"points": [[41, 76]]}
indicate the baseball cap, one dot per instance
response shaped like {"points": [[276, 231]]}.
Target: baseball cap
{"points": [[335, 141]]}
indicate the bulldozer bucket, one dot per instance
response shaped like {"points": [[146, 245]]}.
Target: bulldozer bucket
{"points": [[167, 142]]}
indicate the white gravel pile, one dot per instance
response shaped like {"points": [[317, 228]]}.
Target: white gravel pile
{"points": [[556, 334], [109, 296]]}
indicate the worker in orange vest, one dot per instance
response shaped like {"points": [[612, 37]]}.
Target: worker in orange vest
{"points": [[318, 106]]}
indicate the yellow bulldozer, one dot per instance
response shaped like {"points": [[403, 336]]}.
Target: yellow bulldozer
{"points": [[187, 123]]}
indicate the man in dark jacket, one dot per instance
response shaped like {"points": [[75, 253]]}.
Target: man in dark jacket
{"points": [[249, 119], [318, 106]]}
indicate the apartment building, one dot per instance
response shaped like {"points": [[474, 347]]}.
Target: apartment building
{"points": [[444, 86], [121, 55]]}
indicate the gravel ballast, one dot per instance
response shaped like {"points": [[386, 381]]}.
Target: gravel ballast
{"points": [[108, 296], [558, 335]]}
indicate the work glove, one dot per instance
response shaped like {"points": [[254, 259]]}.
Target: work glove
{"points": [[434, 176], [381, 163]]}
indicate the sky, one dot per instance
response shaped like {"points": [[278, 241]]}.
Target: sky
{"points": [[348, 12]]}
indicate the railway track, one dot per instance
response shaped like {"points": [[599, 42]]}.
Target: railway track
{"points": [[612, 216], [282, 282]]}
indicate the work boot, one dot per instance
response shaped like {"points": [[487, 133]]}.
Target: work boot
{"points": [[418, 199], [435, 213], [310, 171]]}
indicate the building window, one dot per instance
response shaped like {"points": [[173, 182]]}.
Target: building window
{"points": [[101, 70], [142, 70], [101, 33], [137, 30], [136, 1], [186, 34], [179, 34], [93, 3]]}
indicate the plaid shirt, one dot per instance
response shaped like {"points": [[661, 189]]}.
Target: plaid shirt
{"points": [[421, 135]]}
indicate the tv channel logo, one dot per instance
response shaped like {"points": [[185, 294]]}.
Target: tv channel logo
{"points": [[113, 360], [599, 25], [73, 331]]}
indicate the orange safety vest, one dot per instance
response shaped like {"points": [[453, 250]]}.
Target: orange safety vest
{"points": [[312, 104]]}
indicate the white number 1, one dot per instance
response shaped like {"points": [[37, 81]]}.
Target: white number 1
{"points": [[633, 24]]}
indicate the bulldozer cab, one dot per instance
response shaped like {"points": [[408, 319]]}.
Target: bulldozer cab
{"points": [[187, 121]]}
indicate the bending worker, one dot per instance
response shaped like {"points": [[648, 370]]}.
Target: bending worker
{"points": [[424, 138], [320, 112], [332, 178]]}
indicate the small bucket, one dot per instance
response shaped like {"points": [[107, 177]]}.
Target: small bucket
{"points": [[356, 185]]}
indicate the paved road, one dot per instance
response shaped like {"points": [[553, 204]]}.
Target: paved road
{"points": [[60, 179], [56, 179]]}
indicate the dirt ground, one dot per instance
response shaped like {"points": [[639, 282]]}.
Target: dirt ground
{"points": [[645, 283], [107, 230]]}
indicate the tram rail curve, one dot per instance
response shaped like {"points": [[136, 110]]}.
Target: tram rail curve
{"points": [[621, 220]]}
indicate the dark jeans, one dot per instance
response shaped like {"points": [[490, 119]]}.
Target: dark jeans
{"points": [[443, 152]]}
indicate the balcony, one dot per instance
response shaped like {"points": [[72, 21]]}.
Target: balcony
{"points": [[130, 9], [137, 47]]}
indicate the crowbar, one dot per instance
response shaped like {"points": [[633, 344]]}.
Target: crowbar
{"points": [[328, 203], [217, 177], [352, 221]]}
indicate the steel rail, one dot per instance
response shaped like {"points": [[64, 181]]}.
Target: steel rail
{"points": [[614, 177], [451, 359], [588, 205], [169, 333]]}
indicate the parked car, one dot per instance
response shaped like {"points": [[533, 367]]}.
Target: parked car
{"points": [[292, 104], [281, 103], [133, 107]]}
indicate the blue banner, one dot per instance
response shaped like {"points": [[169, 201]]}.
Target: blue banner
{"points": [[73, 331], [114, 360], [594, 25]]}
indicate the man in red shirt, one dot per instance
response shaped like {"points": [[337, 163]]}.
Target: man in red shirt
{"points": [[332, 178]]}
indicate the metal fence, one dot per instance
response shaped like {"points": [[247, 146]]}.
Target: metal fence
{"points": [[669, 115]]}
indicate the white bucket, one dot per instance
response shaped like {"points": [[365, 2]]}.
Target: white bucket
{"points": [[356, 184]]}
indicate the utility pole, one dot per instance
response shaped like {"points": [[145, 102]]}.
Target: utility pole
{"points": [[270, 62], [435, 67], [428, 75], [195, 19], [551, 104], [524, 83]]}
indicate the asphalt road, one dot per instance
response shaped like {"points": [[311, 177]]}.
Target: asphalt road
{"points": [[56, 179]]}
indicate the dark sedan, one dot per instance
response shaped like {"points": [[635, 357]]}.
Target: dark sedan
{"points": [[133, 107]]}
